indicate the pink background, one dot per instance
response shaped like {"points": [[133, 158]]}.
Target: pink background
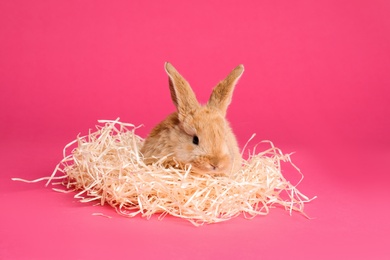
{"points": [[316, 83]]}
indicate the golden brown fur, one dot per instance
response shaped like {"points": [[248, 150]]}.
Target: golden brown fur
{"points": [[217, 150]]}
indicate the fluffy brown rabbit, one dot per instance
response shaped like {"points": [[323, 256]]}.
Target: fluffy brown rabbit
{"points": [[196, 135]]}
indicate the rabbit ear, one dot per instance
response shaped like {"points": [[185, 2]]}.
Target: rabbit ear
{"points": [[181, 93], [222, 94]]}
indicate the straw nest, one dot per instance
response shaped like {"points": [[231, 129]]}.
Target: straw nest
{"points": [[106, 166]]}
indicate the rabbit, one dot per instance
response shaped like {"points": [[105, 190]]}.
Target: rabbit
{"points": [[196, 135]]}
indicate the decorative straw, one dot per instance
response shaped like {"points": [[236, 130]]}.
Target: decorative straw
{"points": [[106, 166]]}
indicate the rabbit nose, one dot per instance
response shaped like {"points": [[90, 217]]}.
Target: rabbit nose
{"points": [[217, 163], [213, 166]]}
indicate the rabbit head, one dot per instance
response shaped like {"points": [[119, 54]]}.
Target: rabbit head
{"points": [[196, 135]]}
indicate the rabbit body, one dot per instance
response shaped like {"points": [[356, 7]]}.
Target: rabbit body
{"points": [[196, 135]]}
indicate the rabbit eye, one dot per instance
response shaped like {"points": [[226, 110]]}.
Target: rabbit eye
{"points": [[195, 140]]}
